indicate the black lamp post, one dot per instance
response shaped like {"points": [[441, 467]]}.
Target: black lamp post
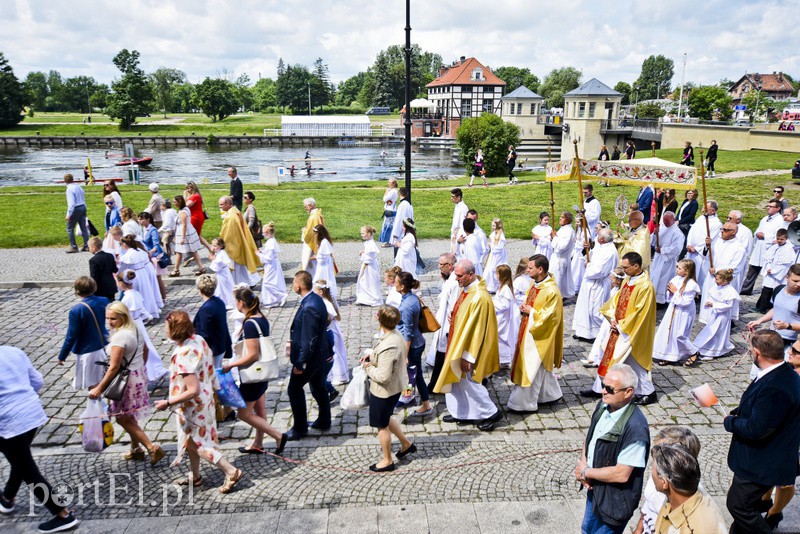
{"points": [[407, 118]]}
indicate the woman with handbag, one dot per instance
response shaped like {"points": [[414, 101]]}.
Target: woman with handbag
{"points": [[191, 385], [125, 381], [409, 328], [253, 333], [385, 368]]}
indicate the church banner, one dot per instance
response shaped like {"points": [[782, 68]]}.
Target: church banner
{"points": [[660, 173]]}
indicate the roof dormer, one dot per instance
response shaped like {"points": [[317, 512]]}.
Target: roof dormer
{"points": [[477, 74]]}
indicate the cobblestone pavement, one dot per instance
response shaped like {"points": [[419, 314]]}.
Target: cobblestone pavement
{"points": [[524, 467]]}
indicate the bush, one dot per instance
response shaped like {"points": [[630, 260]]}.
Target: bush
{"points": [[339, 110], [491, 134]]}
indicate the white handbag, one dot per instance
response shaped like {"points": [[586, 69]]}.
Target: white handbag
{"points": [[266, 367]]}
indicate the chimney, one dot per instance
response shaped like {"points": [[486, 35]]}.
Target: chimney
{"points": [[463, 59]]}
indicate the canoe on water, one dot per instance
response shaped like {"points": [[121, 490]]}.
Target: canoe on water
{"points": [[144, 162], [394, 171], [97, 181]]}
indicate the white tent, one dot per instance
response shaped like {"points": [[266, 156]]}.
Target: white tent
{"points": [[422, 103], [325, 125]]}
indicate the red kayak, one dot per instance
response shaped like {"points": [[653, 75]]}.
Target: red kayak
{"points": [[144, 162]]}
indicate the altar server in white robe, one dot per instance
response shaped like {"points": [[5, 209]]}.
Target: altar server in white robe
{"points": [[497, 255], [368, 284], [561, 260], [696, 239], [595, 291], [473, 249], [273, 285], [764, 238], [505, 306], [673, 337], [326, 265], [727, 253], [540, 344], [592, 209], [222, 265], [447, 299], [406, 257], [459, 214], [522, 281], [668, 248], [542, 236], [714, 340], [404, 211], [779, 258], [481, 235], [599, 345]]}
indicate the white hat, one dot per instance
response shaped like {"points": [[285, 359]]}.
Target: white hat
{"points": [[153, 187]]}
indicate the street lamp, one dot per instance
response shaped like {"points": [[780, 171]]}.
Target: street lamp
{"points": [[758, 99], [407, 118]]}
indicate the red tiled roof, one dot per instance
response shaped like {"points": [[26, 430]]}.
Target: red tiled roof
{"points": [[461, 74], [770, 82]]}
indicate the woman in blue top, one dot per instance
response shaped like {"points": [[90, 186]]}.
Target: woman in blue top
{"points": [[112, 218], [409, 328], [152, 242], [255, 413]]}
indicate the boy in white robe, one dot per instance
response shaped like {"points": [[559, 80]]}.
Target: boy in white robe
{"points": [[560, 262], [222, 264]]}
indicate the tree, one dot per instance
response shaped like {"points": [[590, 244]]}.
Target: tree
{"points": [[752, 100], [557, 83], [388, 73], [131, 95], [516, 77], [99, 98], [726, 84], [182, 98], [649, 110], [37, 90], [625, 89], [216, 98], [76, 93], [164, 79], [654, 80], [348, 91], [491, 134], [244, 96], [708, 101], [12, 95], [291, 88], [264, 94], [321, 88], [55, 90]]}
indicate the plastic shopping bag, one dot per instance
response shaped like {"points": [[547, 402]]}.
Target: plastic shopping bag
{"points": [[228, 392], [357, 393], [92, 422]]}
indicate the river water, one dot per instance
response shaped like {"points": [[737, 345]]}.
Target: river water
{"points": [[25, 166]]}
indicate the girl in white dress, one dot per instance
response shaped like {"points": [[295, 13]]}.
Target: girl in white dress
{"points": [[326, 266], [135, 257], [542, 236], [406, 257], [672, 343], [507, 310], [221, 265], [133, 300], [340, 371], [596, 353], [186, 239], [368, 285], [130, 226], [561, 261], [522, 281], [714, 340], [111, 242], [389, 211], [497, 255], [578, 261], [273, 287], [394, 297]]}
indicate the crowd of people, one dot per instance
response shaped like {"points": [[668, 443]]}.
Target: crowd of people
{"points": [[490, 319]]}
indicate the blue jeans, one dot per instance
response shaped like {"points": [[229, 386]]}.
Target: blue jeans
{"points": [[592, 524], [415, 362], [78, 218]]}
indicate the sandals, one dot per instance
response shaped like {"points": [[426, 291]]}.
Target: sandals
{"points": [[196, 482], [230, 482], [173, 274], [662, 363], [198, 272], [693, 360], [156, 455], [134, 454]]}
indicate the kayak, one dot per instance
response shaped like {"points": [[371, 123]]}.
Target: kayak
{"points": [[144, 162]]}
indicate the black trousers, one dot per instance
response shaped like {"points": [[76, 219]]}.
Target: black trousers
{"points": [[510, 166], [764, 303], [17, 451], [743, 498], [437, 369], [315, 378], [750, 280]]}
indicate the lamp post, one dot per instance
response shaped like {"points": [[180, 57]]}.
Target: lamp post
{"points": [[758, 99], [407, 118], [309, 99]]}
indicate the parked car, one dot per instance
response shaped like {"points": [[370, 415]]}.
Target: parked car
{"points": [[378, 111], [742, 122]]}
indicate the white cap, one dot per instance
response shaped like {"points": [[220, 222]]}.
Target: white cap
{"points": [[153, 187]]}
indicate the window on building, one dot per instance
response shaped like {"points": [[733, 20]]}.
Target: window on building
{"points": [[581, 110], [477, 73], [519, 108], [511, 108], [592, 106], [488, 106], [466, 89], [466, 108], [533, 109]]}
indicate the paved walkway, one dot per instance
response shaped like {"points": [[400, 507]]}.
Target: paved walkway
{"points": [[515, 479]]}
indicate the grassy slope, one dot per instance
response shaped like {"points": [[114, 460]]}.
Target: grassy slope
{"points": [[348, 206]]}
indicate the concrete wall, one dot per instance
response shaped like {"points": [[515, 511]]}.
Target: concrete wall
{"points": [[729, 137]]}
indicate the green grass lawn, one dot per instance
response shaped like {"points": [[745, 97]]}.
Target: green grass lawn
{"points": [[349, 205]]}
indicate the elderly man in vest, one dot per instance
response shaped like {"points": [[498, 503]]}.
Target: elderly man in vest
{"points": [[612, 464]]}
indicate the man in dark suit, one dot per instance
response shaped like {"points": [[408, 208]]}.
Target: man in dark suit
{"points": [[645, 199], [766, 436], [236, 188], [102, 267], [309, 351]]}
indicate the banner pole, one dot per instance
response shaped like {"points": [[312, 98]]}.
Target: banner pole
{"points": [[580, 197], [552, 199], [705, 208]]}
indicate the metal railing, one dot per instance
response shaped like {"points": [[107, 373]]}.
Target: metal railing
{"points": [[375, 131]]}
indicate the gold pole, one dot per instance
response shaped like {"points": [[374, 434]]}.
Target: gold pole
{"points": [[552, 200], [91, 174], [580, 203], [705, 208], [653, 146]]}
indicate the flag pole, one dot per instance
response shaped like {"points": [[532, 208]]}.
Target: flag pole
{"points": [[705, 208], [580, 196], [552, 200]]}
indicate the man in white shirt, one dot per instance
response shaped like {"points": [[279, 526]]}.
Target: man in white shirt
{"points": [[76, 214], [447, 299], [727, 253], [744, 235], [668, 241], [592, 211], [595, 288], [480, 234], [459, 214], [472, 246], [764, 237], [696, 239]]}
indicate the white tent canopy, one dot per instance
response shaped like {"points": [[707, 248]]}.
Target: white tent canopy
{"points": [[422, 103], [325, 125]]}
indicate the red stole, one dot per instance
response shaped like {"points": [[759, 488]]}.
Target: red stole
{"points": [[625, 293], [523, 325]]}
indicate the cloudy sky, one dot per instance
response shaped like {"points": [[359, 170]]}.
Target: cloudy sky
{"points": [[604, 39]]}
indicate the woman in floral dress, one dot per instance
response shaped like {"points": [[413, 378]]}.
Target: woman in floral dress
{"points": [[191, 391]]}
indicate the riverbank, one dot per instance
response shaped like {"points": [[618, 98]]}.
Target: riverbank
{"points": [[34, 216]]}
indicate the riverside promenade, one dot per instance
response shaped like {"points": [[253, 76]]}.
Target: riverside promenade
{"points": [[518, 478]]}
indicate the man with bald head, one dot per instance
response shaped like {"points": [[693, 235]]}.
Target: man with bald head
{"points": [[668, 242], [447, 299], [638, 240], [727, 253], [239, 243], [744, 235], [596, 287], [696, 239]]}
